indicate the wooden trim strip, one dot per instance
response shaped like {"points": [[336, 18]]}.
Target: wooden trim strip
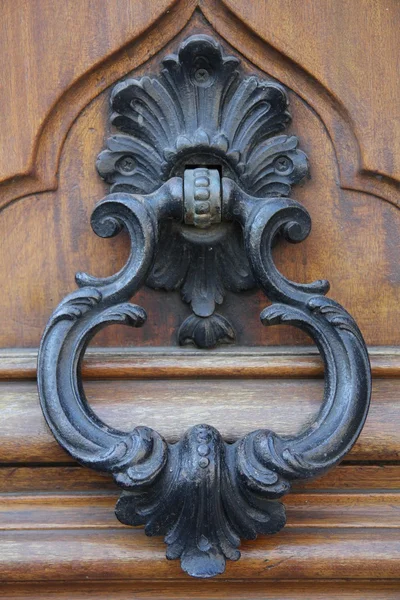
{"points": [[127, 554], [178, 363], [233, 406], [64, 479], [208, 590], [96, 511]]}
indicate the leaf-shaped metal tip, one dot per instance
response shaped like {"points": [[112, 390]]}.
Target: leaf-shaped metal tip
{"points": [[169, 153], [275, 314], [221, 142], [134, 315], [201, 138], [182, 141], [203, 564]]}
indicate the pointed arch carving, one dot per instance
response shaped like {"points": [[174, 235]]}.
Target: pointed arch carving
{"points": [[42, 175]]}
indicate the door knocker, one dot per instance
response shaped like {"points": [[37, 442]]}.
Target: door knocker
{"points": [[200, 178]]}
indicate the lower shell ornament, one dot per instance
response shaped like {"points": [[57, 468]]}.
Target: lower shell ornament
{"points": [[203, 190]]}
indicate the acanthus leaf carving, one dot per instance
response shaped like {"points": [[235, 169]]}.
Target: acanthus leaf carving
{"points": [[201, 106], [201, 505]]}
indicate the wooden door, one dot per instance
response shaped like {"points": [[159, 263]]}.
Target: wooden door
{"points": [[338, 61]]}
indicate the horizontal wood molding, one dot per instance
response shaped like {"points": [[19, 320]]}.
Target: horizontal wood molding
{"points": [[206, 590], [126, 554], [57, 519], [96, 511], [67, 479], [172, 363], [233, 406]]}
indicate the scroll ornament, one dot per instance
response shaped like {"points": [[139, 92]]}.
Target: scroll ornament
{"points": [[200, 178]]}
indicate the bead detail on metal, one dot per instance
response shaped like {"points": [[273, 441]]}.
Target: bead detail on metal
{"points": [[202, 197]]}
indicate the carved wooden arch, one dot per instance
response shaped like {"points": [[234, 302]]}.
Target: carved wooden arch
{"points": [[42, 173]]}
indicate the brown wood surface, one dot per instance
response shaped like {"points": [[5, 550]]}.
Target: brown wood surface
{"points": [[234, 407], [339, 60], [55, 50], [355, 238], [125, 553], [51, 479], [208, 590], [96, 511], [337, 533], [177, 363]]}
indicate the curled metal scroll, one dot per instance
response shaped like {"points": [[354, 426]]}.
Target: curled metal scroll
{"points": [[202, 493]]}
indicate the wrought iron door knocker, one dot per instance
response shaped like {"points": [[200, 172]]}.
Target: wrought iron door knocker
{"points": [[200, 179]]}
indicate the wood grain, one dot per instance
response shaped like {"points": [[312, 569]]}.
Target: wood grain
{"points": [[36, 77], [177, 363], [234, 407], [96, 511], [354, 234], [207, 590], [238, 27], [59, 537], [120, 554], [68, 479], [353, 71]]}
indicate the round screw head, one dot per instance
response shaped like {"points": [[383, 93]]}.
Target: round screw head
{"points": [[201, 75], [126, 164], [283, 164]]}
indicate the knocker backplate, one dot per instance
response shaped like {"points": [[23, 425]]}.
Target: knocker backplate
{"points": [[200, 174]]}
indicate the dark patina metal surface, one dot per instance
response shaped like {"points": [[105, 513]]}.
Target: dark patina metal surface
{"points": [[202, 493]]}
